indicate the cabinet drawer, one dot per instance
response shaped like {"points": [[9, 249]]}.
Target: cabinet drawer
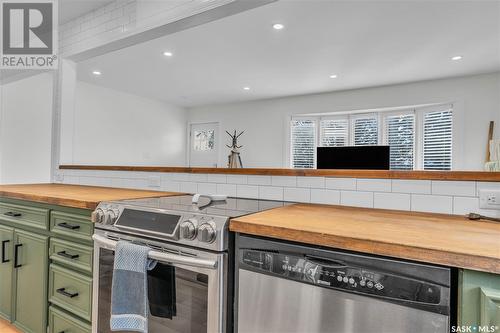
{"points": [[71, 225], [60, 321], [24, 215], [71, 254], [71, 291]]}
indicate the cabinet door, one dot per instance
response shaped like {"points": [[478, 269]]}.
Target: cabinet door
{"points": [[479, 299], [7, 255], [30, 255]]}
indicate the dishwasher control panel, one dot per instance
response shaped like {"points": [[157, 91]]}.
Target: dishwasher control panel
{"points": [[341, 275]]}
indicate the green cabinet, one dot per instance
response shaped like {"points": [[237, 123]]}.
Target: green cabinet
{"points": [[6, 269], [34, 237], [479, 299], [30, 264]]}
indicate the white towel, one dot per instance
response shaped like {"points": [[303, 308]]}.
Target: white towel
{"points": [[494, 150]]}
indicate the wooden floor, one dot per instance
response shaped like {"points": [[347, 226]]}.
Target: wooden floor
{"points": [[6, 327]]}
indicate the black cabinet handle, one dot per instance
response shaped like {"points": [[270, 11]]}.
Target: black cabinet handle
{"points": [[63, 292], [12, 214], [3, 251], [67, 255], [68, 226], [16, 255]]}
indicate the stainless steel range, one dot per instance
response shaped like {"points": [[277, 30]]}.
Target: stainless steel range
{"points": [[192, 237]]}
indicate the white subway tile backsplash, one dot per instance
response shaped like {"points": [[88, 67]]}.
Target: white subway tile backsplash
{"points": [[458, 188], [340, 183], [356, 199], [198, 177], [374, 185], [327, 197], [399, 201], [432, 203], [227, 189], [487, 186], [259, 180], [247, 191], [169, 185], [237, 179], [135, 183], [311, 182], [411, 186], [216, 178], [270, 192], [284, 181], [207, 188], [297, 194], [459, 197], [465, 205], [189, 187]]}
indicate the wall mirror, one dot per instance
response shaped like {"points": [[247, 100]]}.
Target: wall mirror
{"points": [[419, 77]]}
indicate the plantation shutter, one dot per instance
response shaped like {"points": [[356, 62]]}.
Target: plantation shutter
{"points": [[400, 136], [303, 132], [437, 140], [365, 131], [334, 132]]}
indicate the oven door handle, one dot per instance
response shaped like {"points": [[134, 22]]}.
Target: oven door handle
{"points": [[161, 256]]}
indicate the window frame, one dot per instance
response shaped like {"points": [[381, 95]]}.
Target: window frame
{"points": [[315, 136], [418, 111]]}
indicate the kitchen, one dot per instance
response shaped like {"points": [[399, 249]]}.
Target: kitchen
{"points": [[284, 166]]}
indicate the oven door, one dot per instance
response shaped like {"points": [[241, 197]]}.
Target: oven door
{"points": [[200, 284]]}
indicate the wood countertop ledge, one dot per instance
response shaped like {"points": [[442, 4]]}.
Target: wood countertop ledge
{"points": [[77, 196], [448, 240]]}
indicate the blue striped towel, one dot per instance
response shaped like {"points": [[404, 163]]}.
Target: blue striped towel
{"points": [[129, 291]]}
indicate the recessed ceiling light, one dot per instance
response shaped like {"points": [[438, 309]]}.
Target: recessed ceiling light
{"points": [[278, 26], [246, 88], [168, 54], [96, 73], [333, 76], [456, 58]]}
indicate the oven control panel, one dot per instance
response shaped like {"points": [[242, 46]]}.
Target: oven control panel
{"points": [[340, 275], [189, 228]]}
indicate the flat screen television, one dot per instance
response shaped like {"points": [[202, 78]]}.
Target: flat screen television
{"points": [[353, 157]]}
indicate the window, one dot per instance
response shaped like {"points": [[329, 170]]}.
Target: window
{"points": [[437, 145], [419, 138], [303, 143], [203, 140], [365, 130], [334, 132], [400, 136]]}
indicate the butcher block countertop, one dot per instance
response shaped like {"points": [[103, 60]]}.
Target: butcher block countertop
{"points": [[77, 196], [448, 240]]}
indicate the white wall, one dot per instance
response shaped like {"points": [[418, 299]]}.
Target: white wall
{"points": [[25, 130], [117, 128], [476, 98]]}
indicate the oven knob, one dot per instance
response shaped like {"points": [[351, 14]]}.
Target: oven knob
{"points": [[97, 216], [111, 216], [188, 229], [206, 233]]}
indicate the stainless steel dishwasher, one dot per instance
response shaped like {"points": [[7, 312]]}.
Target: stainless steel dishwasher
{"points": [[284, 287]]}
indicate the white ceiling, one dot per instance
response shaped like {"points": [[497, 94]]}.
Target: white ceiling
{"points": [[71, 9], [366, 43]]}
